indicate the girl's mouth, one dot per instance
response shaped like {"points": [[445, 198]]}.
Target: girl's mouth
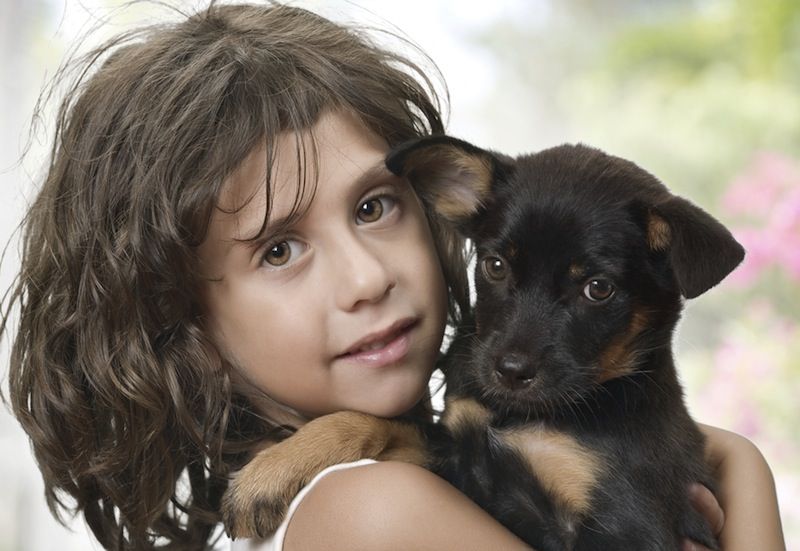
{"points": [[382, 348]]}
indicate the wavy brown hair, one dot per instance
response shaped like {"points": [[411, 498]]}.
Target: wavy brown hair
{"points": [[129, 405]]}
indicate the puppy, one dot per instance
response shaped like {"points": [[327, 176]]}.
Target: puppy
{"points": [[566, 421]]}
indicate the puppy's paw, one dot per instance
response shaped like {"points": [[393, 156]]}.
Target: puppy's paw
{"points": [[259, 495], [252, 520]]}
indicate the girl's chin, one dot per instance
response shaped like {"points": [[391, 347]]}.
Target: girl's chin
{"points": [[402, 397], [396, 405]]}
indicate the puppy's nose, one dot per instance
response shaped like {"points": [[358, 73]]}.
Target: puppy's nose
{"points": [[515, 371]]}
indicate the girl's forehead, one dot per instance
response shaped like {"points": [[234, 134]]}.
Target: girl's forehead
{"points": [[253, 190], [273, 174], [278, 179]]}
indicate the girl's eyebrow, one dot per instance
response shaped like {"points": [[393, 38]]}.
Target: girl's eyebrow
{"points": [[376, 173], [254, 236]]}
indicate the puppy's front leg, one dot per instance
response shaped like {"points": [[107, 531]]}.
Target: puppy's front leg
{"points": [[259, 495]]}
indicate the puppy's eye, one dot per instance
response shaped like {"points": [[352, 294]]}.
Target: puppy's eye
{"points": [[599, 290], [495, 268]]}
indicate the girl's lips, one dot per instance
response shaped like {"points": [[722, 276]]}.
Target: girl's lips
{"points": [[383, 348]]}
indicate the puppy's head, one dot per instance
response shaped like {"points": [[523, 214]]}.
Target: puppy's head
{"points": [[582, 260]]}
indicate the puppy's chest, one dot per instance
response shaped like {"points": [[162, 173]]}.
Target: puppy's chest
{"points": [[568, 471]]}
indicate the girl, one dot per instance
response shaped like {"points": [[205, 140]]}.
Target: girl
{"points": [[217, 255]]}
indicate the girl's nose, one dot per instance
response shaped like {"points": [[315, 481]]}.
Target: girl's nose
{"points": [[363, 276]]}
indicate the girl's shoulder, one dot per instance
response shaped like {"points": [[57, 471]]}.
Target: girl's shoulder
{"points": [[391, 505]]}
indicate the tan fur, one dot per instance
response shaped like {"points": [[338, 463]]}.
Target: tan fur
{"points": [[567, 471], [404, 443], [463, 180], [463, 413], [659, 235], [617, 359], [277, 473], [576, 272], [511, 251]]}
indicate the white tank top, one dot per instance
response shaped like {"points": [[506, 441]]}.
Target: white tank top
{"points": [[275, 543]]}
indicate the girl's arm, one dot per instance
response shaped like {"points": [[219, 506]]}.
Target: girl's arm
{"points": [[392, 505], [746, 493]]}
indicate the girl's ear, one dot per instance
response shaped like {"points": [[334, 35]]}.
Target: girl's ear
{"points": [[701, 250], [452, 176]]}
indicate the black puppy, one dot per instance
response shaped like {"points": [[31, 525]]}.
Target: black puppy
{"points": [[567, 422]]}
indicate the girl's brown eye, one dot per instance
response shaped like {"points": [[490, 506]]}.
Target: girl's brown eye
{"points": [[598, 290], [495, 268], [370, 210], [282, 253], [279, 254]]}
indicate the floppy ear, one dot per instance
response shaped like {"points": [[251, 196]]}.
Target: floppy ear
{"points": [[701, 250], [451, 175]]}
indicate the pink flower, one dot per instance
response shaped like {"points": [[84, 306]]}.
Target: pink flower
{"points": [[760, 255], [768, 192], [757, 190]]}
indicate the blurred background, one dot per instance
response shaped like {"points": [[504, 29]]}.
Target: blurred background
{"points": [[703, 93]]}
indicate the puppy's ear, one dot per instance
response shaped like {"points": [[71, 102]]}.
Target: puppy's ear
{"points": [[701, 250], [451, 175]]}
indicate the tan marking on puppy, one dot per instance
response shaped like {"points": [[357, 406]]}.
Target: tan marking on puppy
{"points": [[455, 182], [617, 359], [511, 251], [462, 413], [659, 234], [260, 493], [404, 443], [567, 471], [576, 272]]}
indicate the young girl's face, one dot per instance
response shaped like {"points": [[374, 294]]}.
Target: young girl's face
{"points": [[345, 308]]}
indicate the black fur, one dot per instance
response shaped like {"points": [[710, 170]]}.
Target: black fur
{"points": [[538, 354]]}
